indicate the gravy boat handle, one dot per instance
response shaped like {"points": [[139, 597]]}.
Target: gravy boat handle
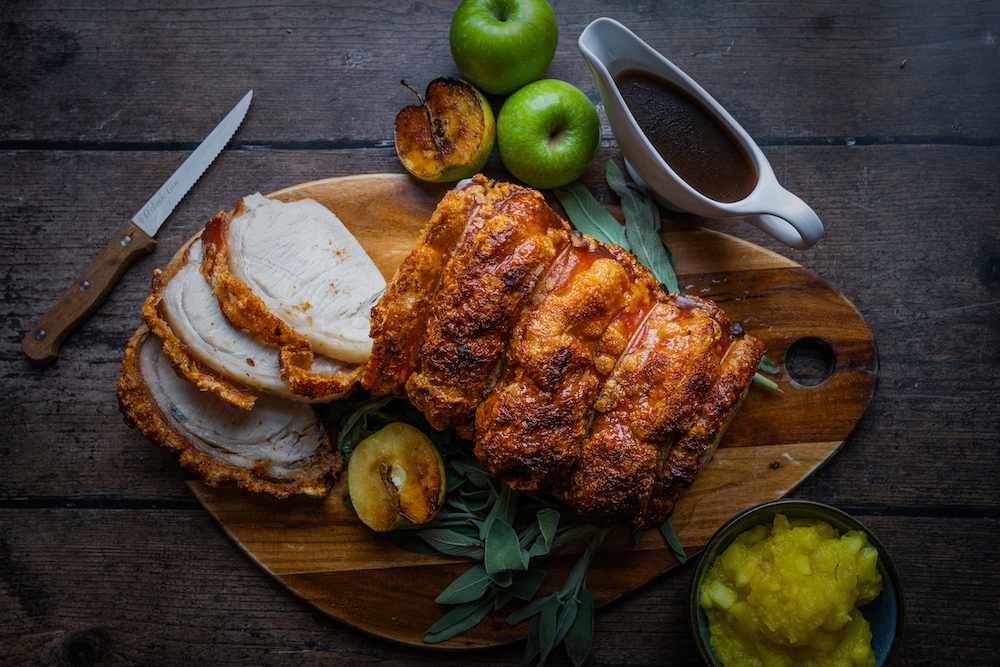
{"points": [[790, 220]]}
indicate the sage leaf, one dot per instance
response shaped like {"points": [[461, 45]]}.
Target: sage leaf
{"points": [[547, 622], [531, 647], [525, 584], [503, 510], [548, 524], [642, 228], [580, 638], [468, 587], [458, 620], [768, 366], [529, 610], [675, 544], [567, 614], [350, 430], [503, 551], [589, 216], [452, 543], [410, 541]]}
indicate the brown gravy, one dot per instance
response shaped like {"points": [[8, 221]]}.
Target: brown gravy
{"points": [[696, 147]]}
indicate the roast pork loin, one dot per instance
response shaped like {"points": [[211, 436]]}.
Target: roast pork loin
{"points": [[586, 379]]}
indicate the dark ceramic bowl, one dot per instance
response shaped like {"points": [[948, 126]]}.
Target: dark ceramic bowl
{"points": [[885, 614]]}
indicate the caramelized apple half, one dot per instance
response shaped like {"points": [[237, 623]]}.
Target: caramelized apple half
{"points": [[395, 478], [449, 135]]}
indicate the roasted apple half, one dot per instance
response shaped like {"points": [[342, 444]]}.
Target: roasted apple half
{"points": [[395, 478], [449, 135]]}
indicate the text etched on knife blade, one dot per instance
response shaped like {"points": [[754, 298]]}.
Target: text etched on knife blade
{"points": [[157, 201]]}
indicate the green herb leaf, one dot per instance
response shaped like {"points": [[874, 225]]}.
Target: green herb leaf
{"points": [[351, 429], [531, 647], [675, 544], [459, 619], [410, 541], [548, 621], [589, 216], [469, 586], [548, 524], [526, 583], [452, 543], [529, 610], [768, 366], [642, 227], [580, 638], [767, 382], [503, 550]]}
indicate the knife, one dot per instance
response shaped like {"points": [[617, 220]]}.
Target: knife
{"points": [[132, 241]]}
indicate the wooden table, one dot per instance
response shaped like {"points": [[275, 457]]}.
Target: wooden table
{"points": [[882, 115]]}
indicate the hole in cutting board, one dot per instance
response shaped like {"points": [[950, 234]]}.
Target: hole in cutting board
{"points": [[810, 361]]}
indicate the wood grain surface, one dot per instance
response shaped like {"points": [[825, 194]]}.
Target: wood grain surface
{"points": [[882, 116], [322, 552]]}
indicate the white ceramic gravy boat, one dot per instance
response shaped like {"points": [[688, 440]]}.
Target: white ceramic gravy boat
{"points": [[610, 49]]}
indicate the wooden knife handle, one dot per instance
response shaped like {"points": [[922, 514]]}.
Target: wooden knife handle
{"points": [[87, 293]]}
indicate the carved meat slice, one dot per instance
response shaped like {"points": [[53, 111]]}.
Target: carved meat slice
{"points": [[662, 413], [279, 447], [399, 318], [207, 350], [294, 277], [530, 429], [514, 239]]}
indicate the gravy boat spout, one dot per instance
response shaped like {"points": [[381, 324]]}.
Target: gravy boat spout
{"points": [[611, 49]]}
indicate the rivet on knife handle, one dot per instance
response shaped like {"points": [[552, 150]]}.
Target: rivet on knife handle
{"points": [[86, 294]]}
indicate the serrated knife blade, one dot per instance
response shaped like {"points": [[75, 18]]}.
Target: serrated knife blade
{"points": [[131, 242]]}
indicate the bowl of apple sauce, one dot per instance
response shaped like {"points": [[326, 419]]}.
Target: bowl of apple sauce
{"points": [[795, 582]]}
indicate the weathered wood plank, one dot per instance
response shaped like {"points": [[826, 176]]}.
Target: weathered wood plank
{"points": [[160, 587], [789, 72]]}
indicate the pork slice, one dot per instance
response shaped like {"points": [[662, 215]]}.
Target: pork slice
{"points": [[208, 350], [484, 287], [399, 317], [292, 275], [530, 429], [662, 412], [278, 447]]}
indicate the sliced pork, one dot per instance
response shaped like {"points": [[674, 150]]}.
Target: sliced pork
{"points": [[398, 320], [513, 239], [206, 349], [294, 277], [279, 447], [531, 428]]}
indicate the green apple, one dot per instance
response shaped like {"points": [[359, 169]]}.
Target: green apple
{"points": [[548, 133], [396, 477], [500, 45], [449, 135]]}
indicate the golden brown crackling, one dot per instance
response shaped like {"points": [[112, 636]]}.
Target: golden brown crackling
{"points": [[140, 410], [235, 393], [246, 311], [662, 413], [399, 318], [515, 237], [530, 428]]}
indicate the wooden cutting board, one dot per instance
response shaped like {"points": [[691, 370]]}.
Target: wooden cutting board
{"points": [[321, 552]]}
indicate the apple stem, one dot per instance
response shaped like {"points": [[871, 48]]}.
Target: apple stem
{"points": [[435, 127], [415, 92]]}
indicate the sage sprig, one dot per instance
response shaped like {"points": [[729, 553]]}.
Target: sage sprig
{"points": [[589, 216], [642, 227]]}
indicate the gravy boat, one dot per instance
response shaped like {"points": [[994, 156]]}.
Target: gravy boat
{"points": [[610, 49]]}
